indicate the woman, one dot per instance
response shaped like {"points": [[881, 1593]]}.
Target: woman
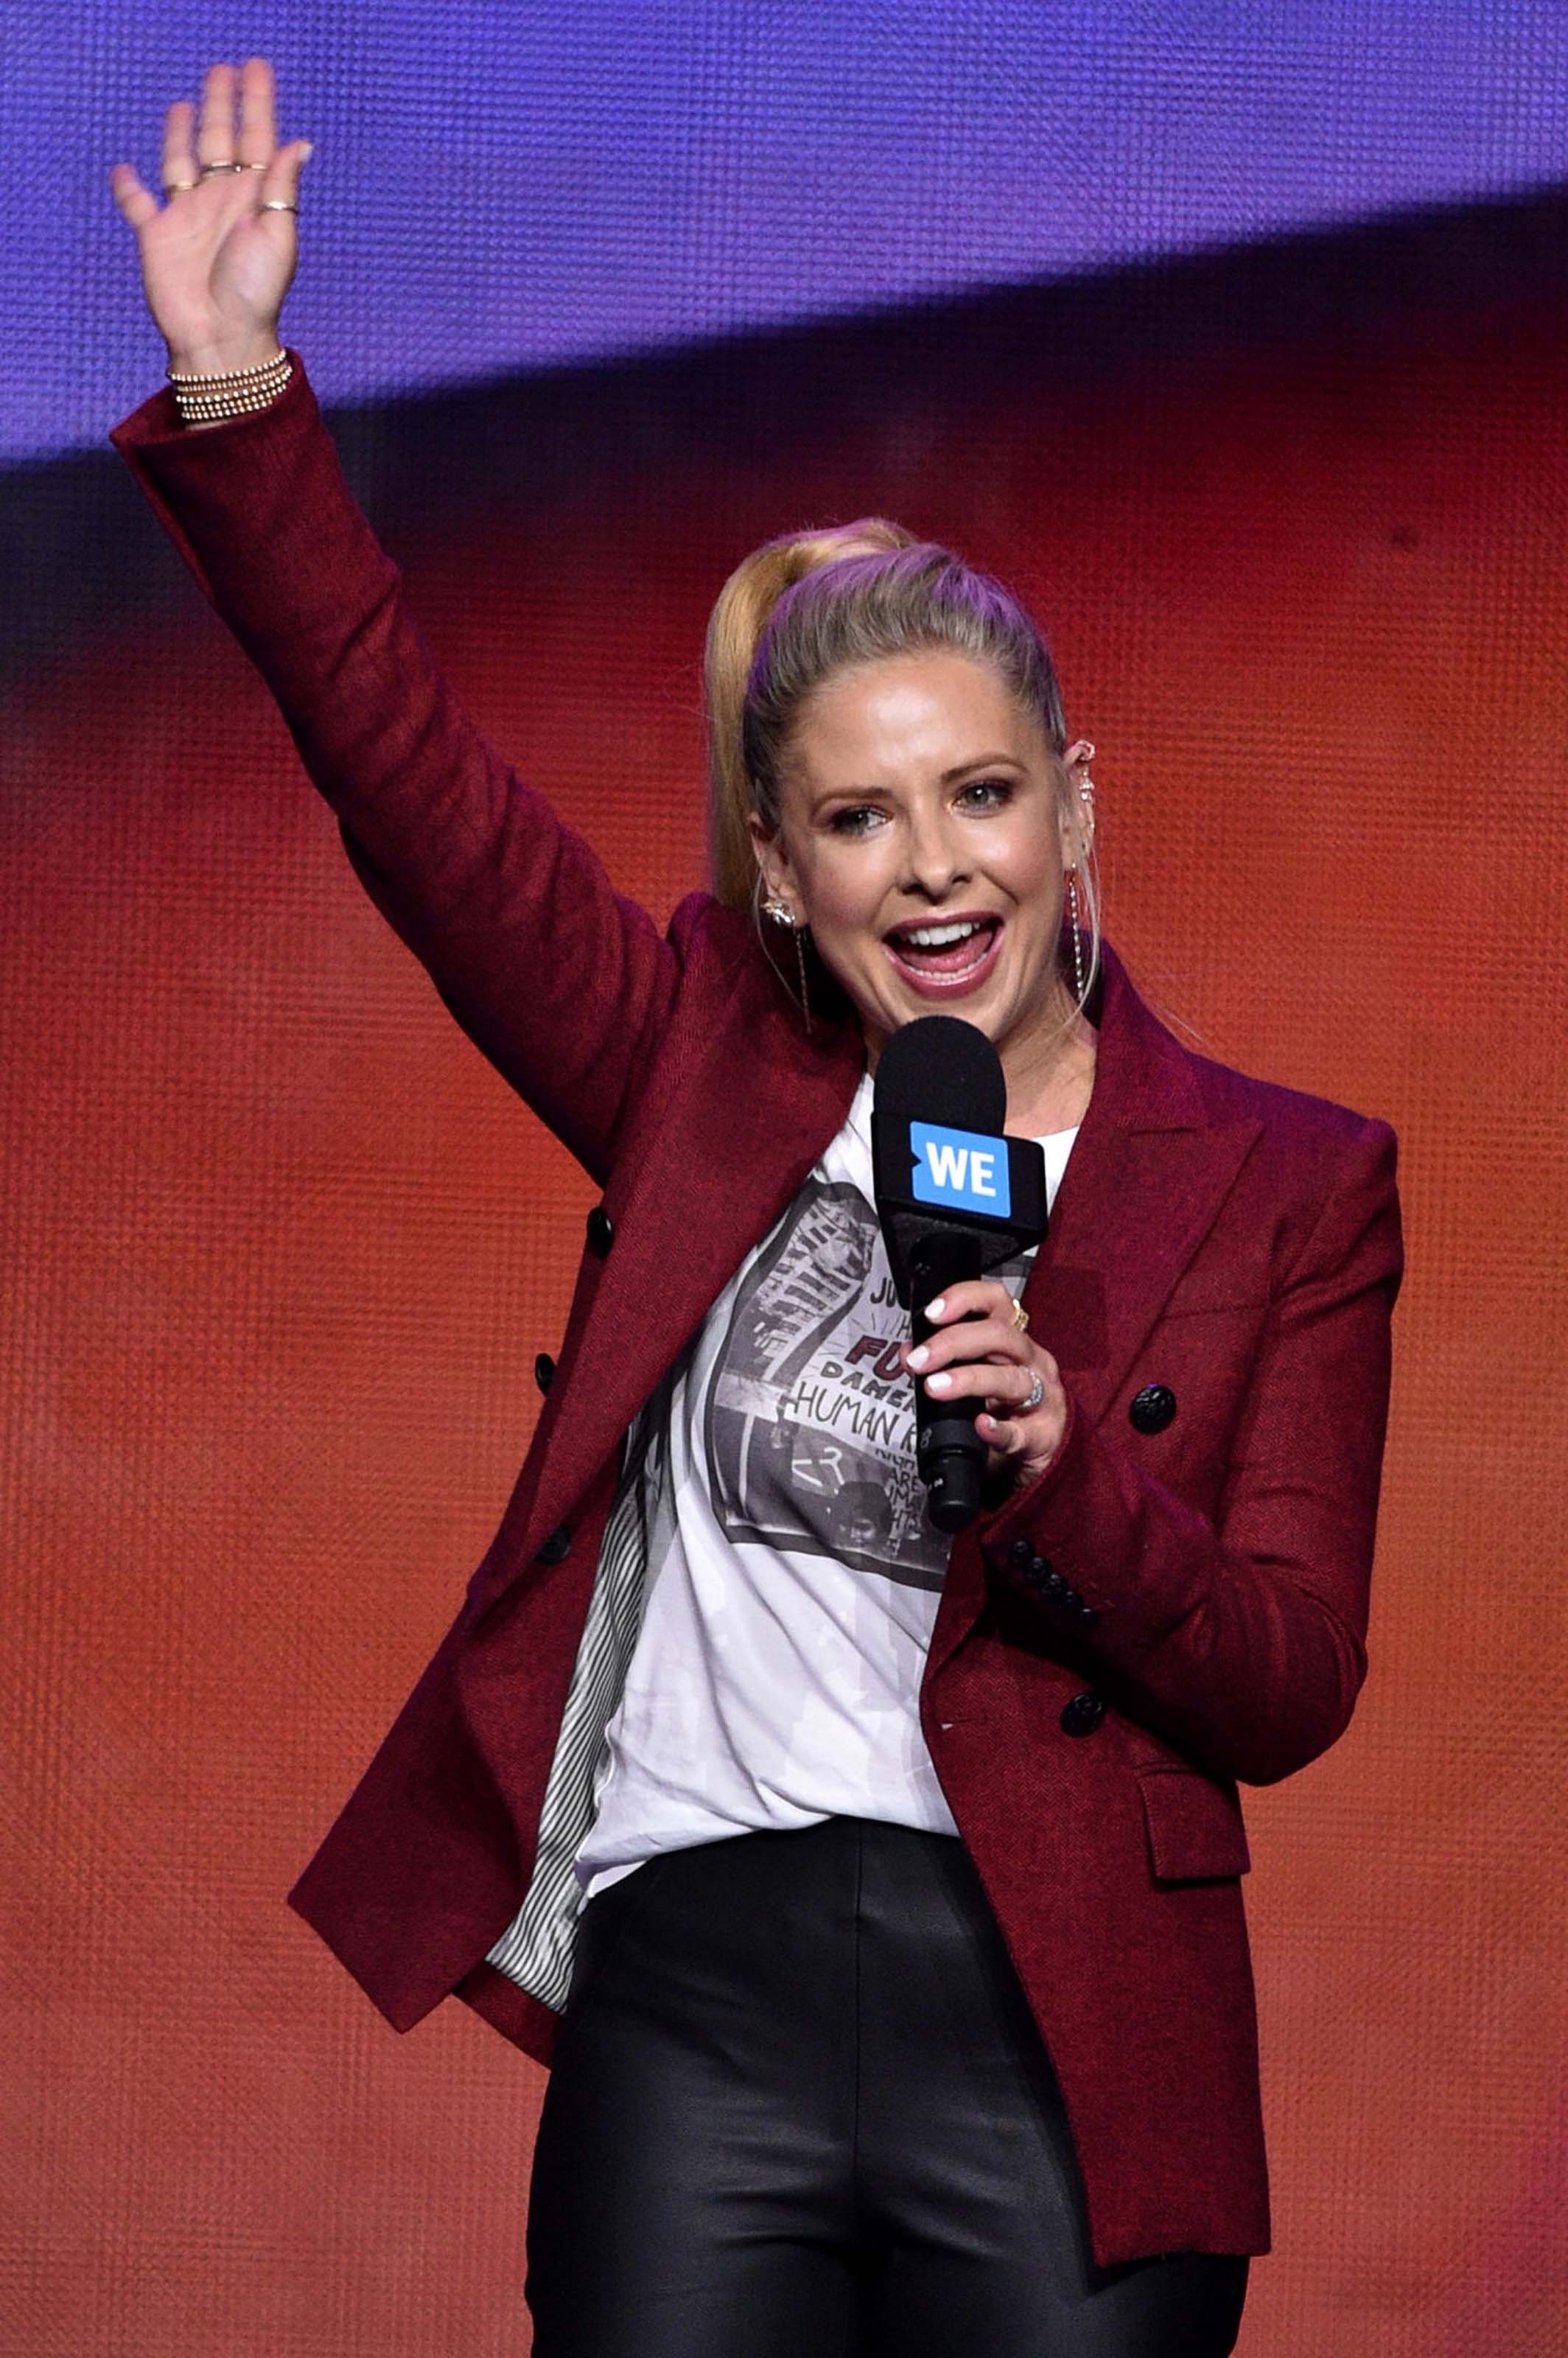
{"points": [[886, 1893]]}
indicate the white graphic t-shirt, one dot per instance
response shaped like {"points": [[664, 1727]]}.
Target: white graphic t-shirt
{"points": [[793, 1576]]}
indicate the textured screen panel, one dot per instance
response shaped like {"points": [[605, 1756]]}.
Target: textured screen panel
{"points": [[281, 1249], [498, 186]]}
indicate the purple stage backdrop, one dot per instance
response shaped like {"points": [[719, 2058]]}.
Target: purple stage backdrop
{"points": [[501, 187], [280, 1248]]}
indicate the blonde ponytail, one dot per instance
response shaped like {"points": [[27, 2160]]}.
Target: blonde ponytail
{"points": [[741, 615]]}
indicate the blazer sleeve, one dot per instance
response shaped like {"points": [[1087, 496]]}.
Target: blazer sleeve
{"points": [[1241, 1640], [561, 983]]}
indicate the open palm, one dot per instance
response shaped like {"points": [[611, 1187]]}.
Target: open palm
{"points": [[216, 266]]}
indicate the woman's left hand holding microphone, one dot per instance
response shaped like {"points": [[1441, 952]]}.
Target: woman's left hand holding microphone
{"points": [[983, 1351]]}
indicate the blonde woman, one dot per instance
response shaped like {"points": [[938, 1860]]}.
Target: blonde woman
{"points": [[875, 1897]]}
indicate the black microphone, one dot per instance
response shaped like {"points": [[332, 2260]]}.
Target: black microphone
{"points": [[955, 1199]]}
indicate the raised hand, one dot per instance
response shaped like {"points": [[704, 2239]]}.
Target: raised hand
{"points": [[219, 254]]}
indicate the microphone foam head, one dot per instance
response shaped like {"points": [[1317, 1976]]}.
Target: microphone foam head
{"points": [[941, 1069]]}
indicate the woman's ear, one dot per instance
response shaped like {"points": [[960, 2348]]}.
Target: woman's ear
{"points": [[772, 863], [1078, 817]]}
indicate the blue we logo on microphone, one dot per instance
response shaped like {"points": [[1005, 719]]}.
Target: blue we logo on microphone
{"points": [[960, 1170]]}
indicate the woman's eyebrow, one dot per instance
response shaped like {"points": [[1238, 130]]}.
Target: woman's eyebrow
{"points": [[981, 761]]}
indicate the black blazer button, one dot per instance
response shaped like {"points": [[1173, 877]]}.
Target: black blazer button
{"points": [[600, 1231], [1087, 1613], [1023, 1553], [1083, 1714], [1041, 1573], [557, 1546], [1152, 1408], [543, 1371]]}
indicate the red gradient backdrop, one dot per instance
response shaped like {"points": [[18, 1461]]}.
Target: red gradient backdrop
{"points": [[281, 1247]]}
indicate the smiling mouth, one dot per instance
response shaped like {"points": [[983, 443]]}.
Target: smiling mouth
{"points": [[946, 952]]}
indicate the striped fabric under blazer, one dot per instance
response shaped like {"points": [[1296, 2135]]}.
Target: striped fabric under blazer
{"points": [[1178, 1605]]}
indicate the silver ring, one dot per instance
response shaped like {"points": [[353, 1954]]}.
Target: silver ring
{"points": [[277, 205], [226, 164], [1036, 1394]]}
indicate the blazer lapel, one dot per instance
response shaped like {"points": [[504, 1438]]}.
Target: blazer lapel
{"points": [[1147, 1176], [754, 1109], [1144, 1183]]}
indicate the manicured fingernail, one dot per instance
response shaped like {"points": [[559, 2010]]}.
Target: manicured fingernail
{"points": [[308, 151], [935, 1309], [919, 1356], [938, 1382]]}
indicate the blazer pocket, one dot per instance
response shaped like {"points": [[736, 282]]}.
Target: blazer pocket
{"points": [[1211, 1291], [1196, 1831]]}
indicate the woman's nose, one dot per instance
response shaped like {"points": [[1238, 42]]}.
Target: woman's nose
{"points": [[936, 859]]}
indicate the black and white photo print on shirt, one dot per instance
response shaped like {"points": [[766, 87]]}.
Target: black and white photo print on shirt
{"points": [[809, 1418]]}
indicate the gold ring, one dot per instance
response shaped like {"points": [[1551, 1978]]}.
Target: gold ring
{"points": [[1021, 1317], [177, 187]]}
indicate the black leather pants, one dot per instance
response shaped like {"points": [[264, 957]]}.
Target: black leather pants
{"points": [[800, 2106]]}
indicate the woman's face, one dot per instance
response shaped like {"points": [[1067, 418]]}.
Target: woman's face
{"points": [[920, 840]]}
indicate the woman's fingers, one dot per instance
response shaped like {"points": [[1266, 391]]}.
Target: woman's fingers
{"points": [[982, 1296], [972, 1321], [178, 163], [971, 1338], [215, 266], [137, 203], [215, 141], [1007, 1382], [979, 1352], [187, 150], [258, 134], [282, 181]]}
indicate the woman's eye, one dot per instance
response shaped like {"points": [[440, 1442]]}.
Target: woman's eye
{"points": [[989, 792], [858, 821]]}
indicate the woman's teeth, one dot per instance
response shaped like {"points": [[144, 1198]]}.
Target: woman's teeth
{"points": [[936, 937], [946, 952]]}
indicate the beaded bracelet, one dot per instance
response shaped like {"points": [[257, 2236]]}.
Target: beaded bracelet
{"points": [[230, 376], [229, 392]]}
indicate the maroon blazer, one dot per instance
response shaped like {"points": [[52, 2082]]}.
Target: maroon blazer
{"points": [[1178, 1603]]}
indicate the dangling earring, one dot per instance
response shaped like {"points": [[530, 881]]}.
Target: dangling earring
{"points": [[777, 910], [1073, 925], [1087, 796]]}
